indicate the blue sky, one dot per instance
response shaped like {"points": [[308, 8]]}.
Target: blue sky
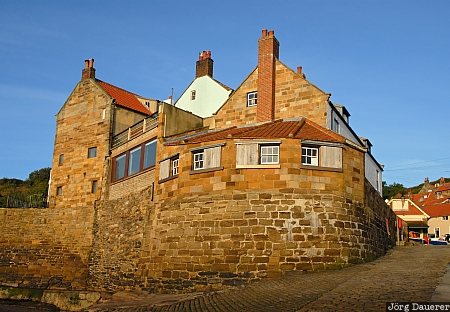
{"points": [[386, 61]]}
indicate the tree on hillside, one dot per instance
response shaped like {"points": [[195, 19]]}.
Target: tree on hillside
{"points": [[393, 189]]}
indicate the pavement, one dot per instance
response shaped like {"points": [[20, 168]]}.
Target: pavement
{"points": [[405, 274]]}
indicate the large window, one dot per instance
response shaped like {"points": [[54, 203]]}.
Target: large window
{"points": [[134, 164], [150, 154], [252, 99], [310, 156], [119, 167], [135, 160], [270, 154]]}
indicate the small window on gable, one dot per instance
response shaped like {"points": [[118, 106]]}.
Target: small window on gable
{"points": [[445, 218], [59, 191], [169, 167], [94, 186], [61, 159], [193, 94], [310, 156], [92, 152], [252, 99]]}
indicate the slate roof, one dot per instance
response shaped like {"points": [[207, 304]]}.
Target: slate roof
{"points": [[301, 128], [124, 98]]}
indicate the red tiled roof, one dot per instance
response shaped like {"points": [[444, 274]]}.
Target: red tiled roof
{"points": [[412, 210], [124, 98], [298, 129], [438, 210], [444, 187]]}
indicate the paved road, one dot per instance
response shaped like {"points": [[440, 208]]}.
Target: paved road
{"points": [[405, 274]]}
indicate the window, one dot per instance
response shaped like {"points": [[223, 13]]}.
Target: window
{"points": [[437, 232], [199, 160], [174, 166], [134, 161], [61, 159], [94, 187], [150, 154], [59, 191], [169, 167], [335, 126], [269, 154], [193, 93], [119, 167], [310, 156], [92, 152], [445, 218], [252, 99]]}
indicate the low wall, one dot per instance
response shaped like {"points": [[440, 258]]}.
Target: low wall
{"points": [[45, 248]]}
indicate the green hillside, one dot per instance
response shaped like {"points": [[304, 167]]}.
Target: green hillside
{"points": [[29, 193]]}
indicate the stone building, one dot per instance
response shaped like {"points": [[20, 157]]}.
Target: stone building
{"points": [[160, 198]]}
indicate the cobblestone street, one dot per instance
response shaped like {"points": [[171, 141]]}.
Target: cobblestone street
{"points": [[405, 274]]}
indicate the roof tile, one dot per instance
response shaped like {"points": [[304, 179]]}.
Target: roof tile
{"points": [[124, 98]]}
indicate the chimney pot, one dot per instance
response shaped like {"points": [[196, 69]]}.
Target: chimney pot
{"points": [[204, 65], [271, 32], [264, 33], [89, 70], [299, 69]]}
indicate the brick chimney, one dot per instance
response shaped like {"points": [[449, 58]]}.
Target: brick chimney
{"points": [[204, 65], [89, 70], [268, 53]]}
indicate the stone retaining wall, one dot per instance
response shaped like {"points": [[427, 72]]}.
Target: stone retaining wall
{"points": [[45, 248]]}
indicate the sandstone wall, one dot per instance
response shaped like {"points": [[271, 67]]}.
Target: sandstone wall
{"points": [[45, 248], [118, 237]]}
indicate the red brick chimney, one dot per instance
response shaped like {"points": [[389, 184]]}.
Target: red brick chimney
{"points": [[89, 70], [268, 52], [204, 65]]}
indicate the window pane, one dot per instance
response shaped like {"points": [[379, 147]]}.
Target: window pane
{"points": [[175, 166], [94, 186], [269, 154], [135, 161], [198, 160], [92, 152], [119, 169], [150, 154]]}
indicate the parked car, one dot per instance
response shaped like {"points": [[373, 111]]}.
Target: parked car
{"points": [[447, 238], [438, 241]]}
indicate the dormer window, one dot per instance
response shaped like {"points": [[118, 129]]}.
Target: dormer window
{"points": [[193, 94], [252, 99], [335, 126]]}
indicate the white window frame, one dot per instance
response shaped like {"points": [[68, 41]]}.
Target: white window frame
{"points": [[269, 152], [252, 99], [193, 95], [310, 160], [198, 160], [174, 163]]}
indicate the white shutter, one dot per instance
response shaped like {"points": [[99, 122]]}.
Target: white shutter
{"points": [[212, 157], [330, 157], [247, 154], [164, 169]]}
